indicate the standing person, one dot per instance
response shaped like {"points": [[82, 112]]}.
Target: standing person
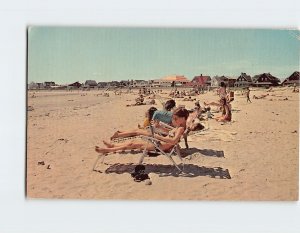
{"points": [[222, 90], [248, 95]]}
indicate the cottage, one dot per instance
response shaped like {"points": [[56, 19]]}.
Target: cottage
{"points": [[265, 79], [32, 86], [49, 84], [75, 85], [90, 84], [292, 79], [243, 80], [102, 84], [202, 80], [216, 80]]}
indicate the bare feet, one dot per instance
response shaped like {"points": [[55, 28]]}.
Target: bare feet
{"points": [[107, 144], [116, 134], [101, 150]]}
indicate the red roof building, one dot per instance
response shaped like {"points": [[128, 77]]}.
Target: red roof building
{"points": [[202, 80]]}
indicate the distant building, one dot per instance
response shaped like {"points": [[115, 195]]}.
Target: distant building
{"points": [[293, 78], [202, 80], [90, 84], [49, 84], [243, 80], [102, 84], [32, 86], [75, 85], [265, 79], [168, 81], [216, 80]]}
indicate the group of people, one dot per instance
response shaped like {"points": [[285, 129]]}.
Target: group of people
{"points": [[166, 125], [177, 119]]}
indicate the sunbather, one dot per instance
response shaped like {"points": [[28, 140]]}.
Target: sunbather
{"points": [[161, 127], [148, 117], [260, 97], [179, 118], [226, 112]]}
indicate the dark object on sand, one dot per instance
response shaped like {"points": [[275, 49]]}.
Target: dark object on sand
{"points": [[41, 163], [139, 174]]}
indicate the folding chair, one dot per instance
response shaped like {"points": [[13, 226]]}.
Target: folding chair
{"points": [[174, 150]]}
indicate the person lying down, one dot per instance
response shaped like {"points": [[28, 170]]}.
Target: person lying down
{"points": [[179, 118]]}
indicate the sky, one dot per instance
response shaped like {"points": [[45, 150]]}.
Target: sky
{"points": [[69, 54]]}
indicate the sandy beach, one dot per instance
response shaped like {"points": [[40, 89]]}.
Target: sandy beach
{"points": [[255, 157]]}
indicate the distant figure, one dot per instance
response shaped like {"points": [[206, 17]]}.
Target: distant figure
{"points": [[222, 90], [260, 97], [248, 95], [226, 111]]}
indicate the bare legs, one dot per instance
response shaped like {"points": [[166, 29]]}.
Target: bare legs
{"points": [[130, 133], [124, 146]]}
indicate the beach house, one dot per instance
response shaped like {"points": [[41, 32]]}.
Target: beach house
{"points": [[48, 85], [202, 80], [216, 80], [293, 78], [75, 85], [90, 84], [265, 80], [168, 81], [243, 80]]}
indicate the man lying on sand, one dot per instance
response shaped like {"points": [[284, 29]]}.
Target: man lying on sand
{"points": [[260, 97], [179, 118]]}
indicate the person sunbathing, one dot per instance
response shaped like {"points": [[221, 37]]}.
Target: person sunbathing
{"points": [[226, 112], [148, 117], [179, 118], [260, 97], [160, 127]]}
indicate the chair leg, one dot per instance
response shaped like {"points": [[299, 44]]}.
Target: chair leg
{"points": [[143, 156], [179, 156], [174, 163], [96, 162]]}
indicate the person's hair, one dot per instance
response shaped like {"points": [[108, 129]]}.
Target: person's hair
{"points": [[181, 112], [208, 108], [170, 104], [151, 112]]}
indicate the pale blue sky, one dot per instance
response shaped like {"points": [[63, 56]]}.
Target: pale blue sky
{"points": [[69, 54]]}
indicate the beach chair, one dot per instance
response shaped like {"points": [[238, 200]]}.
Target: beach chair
{"points": [[175, 150]]}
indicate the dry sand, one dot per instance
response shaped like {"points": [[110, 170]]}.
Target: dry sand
{"points": [[258, 158]]}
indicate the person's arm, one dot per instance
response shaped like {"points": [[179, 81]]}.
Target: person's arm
{"points": [[175, 139]]}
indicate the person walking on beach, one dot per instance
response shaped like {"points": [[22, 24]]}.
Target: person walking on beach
{"points": [[248, 95]]}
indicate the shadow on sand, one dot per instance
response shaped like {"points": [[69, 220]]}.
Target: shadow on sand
{"points": [[205, 152], [190, 170]]}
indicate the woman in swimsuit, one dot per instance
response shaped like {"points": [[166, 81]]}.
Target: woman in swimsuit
{"points": [[179, 118], [226, 112]]}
